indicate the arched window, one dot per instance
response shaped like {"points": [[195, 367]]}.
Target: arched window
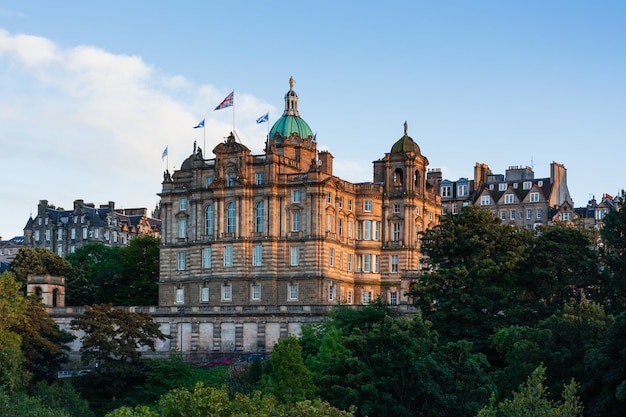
{"points": [[259, 216], [38, 292], [55, 296], [416, 177], [397, 178], [230, 218], [209, 220]]}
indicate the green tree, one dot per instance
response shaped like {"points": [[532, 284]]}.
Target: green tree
{"points": [[12, 309], [290, 381], [38, 261], [140, 262], [62, 397], [532, 400], [613, 234], [471, 282], [96, 275]]}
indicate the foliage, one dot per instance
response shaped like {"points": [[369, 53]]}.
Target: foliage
{"points": [[613, 253], [531, 400], [605, 390], [140, 263], [561, 268], [289, 380], [96, 275], [38, 261], [472, 271], [62, 396], [22, 405], [12, 309]]}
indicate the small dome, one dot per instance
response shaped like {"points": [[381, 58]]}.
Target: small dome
{"points": [[405, 143], [288, 125]]}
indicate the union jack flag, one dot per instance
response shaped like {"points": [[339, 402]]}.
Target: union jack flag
{"points": [[227, 102]]}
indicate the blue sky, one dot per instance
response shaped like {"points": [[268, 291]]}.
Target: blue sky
{"points": [[91, 94]]}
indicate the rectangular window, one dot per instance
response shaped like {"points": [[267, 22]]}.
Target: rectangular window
{"points": [[485, 200], [534, 197], [396, 208], [292, 290], [60, 234], [349, 297], [566, 217], [331, 257], [367, 263], [367, 230], [255, 292], [538, 213], [73, 233], [503, 214], [37, 236], [206, 258], [529, 214], [376, 263], [257, 255], [227, 292], [527, 185], [461, 190], [455, 208], [60, 251], [367, 297], [295, 254], [296, 196], [512, 214], [502, 186], [230, 180], [182, 228], [85, 233], [295, 225], [329, 222], [331, 292], [259, 178], [376, 230], [181, 261], [446, 191], [329, 198], [396, 232], [508, 199], [393, 298], [209, 181], [340, 202], [350, 227], [394, 264], [350, 205], [340, 227], [96, 233], [180, 295], [228, 255], [367, 205], [349, 262], [183, 204], [204, 295]]}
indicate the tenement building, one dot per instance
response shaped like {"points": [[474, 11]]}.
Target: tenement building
{"points": [[248, 231], [62, 231]]}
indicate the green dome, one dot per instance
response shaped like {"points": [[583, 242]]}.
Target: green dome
{"points": [[288, 125], [290, 122], [405, 143]]}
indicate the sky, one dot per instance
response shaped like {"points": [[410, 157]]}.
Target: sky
{"points": [[91, 93]]}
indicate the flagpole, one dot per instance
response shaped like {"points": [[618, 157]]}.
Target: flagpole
{"points": [[204, 137], [233, 111]]}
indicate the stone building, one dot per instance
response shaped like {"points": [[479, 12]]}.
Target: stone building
{"points": [[62, 231], [280, 229]]}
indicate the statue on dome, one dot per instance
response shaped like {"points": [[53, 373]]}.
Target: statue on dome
{"points": [[291, 82]]}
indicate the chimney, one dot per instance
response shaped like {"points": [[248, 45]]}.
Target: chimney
{"points": [[326, 162]]}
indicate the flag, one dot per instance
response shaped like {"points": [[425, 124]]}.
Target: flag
{"points": [[227, 102], [201, 124], [263, 118], [164, 153], [315, 137]]}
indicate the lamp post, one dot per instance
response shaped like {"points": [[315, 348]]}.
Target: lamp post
{"points": [[181, 314]]}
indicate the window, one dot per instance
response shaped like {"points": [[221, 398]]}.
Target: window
{"points": [[60, 251], [396, 208], [367, 297], [85, 233], [329, 198], [204, 295], [461, 190], [393, 298], [485, 200], [230, 180], [255, 292], [182, 228], [180, 295], [376, 230], [257, 255], [228, 255], [227, 292], [36, 235], [376, 267], [340, 202], [349, 262], [209, 216], [394, 264], [181, 261], [350, 227], [60, 234], [515, 185], [538, 213], [526, 185], [529, 214], [206, 258], [209, 181], [508, 199], [534, 197], [331, 292], [540, 183], [73, 233], [230, 218], [259, 178], [295, 224], [96, 234], [367, 262], [503, 214], [502, 186], [512, 214], [115, 236], [446, 191], [296, 196], [292, 292], [340, 227], [350, 205], [295, 254], [367, 205], [183, 204], [259, 216], [566, 217], [367, 230], [396, 232], [349, 300], [455, 208], [329, 222], [331, 257]]}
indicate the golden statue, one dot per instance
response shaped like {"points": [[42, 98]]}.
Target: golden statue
{"points": [[291, 82]]}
